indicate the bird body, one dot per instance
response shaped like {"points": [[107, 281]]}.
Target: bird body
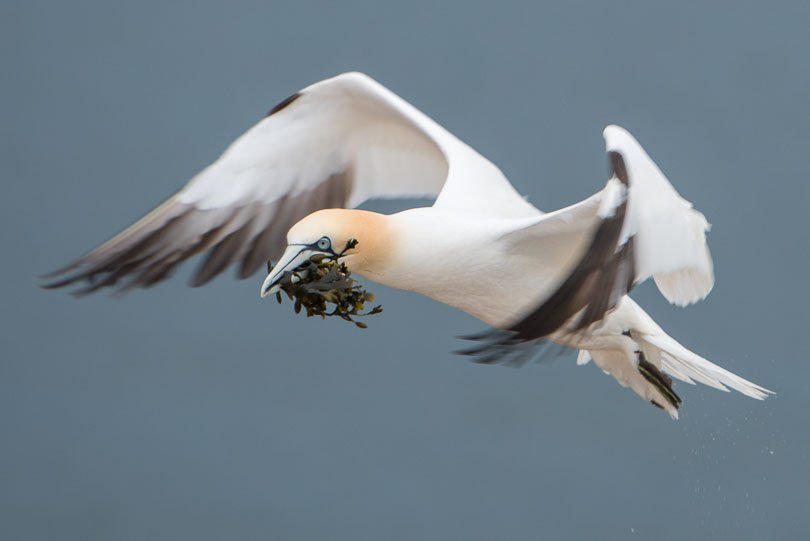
{"points": [[561, 276], [466, 261], [460, 260]]}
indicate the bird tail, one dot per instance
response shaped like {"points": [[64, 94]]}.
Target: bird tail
{"points": [[647, 362], [685, 365]]}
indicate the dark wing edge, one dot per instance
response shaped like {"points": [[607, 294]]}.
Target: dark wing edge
{"points": [[150, 250], [604, 274]]}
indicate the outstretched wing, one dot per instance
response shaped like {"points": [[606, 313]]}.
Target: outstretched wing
{"points": [[336, 143], [636, 227]]}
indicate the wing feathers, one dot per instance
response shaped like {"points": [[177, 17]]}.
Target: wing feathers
{"points": [[686, 286], [590, 288], [644, 228], [335, 143], [230, 248], [150, 250], [603, 275], [670, 234], [283, 104]]}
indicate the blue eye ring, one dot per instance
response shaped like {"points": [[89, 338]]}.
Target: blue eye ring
{"points": [[325, 243]]}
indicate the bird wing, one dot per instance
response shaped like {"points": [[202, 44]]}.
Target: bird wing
{"points": [[669, 234], [336, 143], [635, 228]]}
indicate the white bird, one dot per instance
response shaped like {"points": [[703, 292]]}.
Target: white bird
{"points": [[482, 248]]}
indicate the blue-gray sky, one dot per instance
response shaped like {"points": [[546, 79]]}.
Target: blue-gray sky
{"points": [[179, 413]]}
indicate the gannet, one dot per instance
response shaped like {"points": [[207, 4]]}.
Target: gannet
{"points": [[287, 188]]}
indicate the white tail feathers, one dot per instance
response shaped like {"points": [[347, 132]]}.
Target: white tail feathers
{"points": [[690, 367], [644, 360]]}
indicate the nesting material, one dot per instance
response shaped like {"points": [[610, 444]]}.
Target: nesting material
{"points": [[324, 287]]}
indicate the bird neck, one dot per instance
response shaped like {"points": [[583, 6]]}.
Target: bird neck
{"points": [[448, 257], [375, 235]]}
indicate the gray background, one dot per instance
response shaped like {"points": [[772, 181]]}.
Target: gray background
{"points": [[179, 413]]}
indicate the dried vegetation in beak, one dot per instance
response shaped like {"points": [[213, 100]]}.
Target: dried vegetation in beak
{"points": [[324, 287]]}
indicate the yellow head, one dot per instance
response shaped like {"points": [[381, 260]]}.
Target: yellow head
{"points": [[359, 238]]}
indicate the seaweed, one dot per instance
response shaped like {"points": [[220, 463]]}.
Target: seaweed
{"points": [[324, 287]]}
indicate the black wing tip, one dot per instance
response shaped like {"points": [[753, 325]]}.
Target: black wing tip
{"points": [[283, 104], [61, 271], [618, 168], [199, 278], [506, 348], [487, 334], [61, 278], [58, 284], [80, 292]]}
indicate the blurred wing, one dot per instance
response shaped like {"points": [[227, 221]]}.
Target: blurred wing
{"points": [[669, 235], [336, 143], [636, 227]]}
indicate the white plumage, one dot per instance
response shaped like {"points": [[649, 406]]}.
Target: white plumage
{"points": [[481, 247]]}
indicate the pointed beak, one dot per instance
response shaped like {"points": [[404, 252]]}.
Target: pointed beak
{"points": [[294, 256]]}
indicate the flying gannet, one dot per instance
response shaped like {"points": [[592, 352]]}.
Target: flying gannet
{"points": [[561, 276]]}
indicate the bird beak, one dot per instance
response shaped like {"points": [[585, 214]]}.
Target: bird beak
{"points": [[294, 256]]}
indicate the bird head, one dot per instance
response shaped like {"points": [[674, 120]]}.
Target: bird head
{"points": [[352, 236]]}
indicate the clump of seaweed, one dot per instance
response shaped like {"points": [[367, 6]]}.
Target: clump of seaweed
{"points": [[324, 287]]}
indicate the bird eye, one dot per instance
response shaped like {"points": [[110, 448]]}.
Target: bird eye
{"points": [[324, 243]]}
